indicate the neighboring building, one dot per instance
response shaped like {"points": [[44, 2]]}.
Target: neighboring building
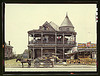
{"points": [[50, 38], [8, 51], [86, 45], [87, 49], [25, 54], [83, 50]]}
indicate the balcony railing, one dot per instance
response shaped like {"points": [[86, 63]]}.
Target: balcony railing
{"points": [[53, 42]]}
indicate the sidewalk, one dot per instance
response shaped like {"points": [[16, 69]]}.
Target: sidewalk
{"points": [[50, 69], [75, 66], [60, 68]]}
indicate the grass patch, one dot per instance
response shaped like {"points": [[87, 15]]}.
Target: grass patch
{"points": [[13, 64]]}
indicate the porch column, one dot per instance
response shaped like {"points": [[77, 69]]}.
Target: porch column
{"points": [[28, 51], [55, 50], [55, 38], [75, 39], [33, 53], [41, 37], [41, 51], [63, 52], [33, 38], [63, 38], [28, 38]]}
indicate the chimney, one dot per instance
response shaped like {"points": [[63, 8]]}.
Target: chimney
{"points": [[40, 27], [9, 42]]}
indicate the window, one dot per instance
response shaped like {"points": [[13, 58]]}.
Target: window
{"points": [[44, 28], [67, 29]]}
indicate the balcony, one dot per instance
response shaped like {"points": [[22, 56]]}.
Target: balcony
{"points": [[51, 39], [52, 43]]}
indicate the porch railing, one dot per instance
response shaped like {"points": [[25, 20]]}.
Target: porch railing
{"points": [[52, 42]]}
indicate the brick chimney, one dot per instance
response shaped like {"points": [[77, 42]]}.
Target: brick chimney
{"points": [[9, 42], [40, 27]]}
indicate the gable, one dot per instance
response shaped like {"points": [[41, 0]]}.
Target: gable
{"points": [[46, 26]]}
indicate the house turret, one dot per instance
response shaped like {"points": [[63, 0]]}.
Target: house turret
{"points": [[66, 25]]}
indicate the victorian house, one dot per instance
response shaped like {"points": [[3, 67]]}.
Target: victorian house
{"points": [[50, 38], [8, 51]]}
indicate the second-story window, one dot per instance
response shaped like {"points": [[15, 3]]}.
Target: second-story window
{"points": [[44, 28]]}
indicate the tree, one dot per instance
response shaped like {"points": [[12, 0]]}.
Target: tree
{"points": [[27, 52], [19, 56]]}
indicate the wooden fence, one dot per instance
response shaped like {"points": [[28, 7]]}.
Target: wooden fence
{"points": [[81, 61]]}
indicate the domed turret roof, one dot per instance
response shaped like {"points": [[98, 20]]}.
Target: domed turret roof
{"points": [[66, 21]]}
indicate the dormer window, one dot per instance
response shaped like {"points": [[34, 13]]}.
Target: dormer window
{"points": [[44, 28]]}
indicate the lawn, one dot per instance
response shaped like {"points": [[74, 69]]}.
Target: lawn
{"points": [[13, 64]]}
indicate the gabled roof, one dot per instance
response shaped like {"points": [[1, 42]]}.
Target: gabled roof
{"points": [[45, 23], [56, 27], [66, 21]]}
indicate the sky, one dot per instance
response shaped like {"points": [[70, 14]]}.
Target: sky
{"points": [[20, 18]]}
